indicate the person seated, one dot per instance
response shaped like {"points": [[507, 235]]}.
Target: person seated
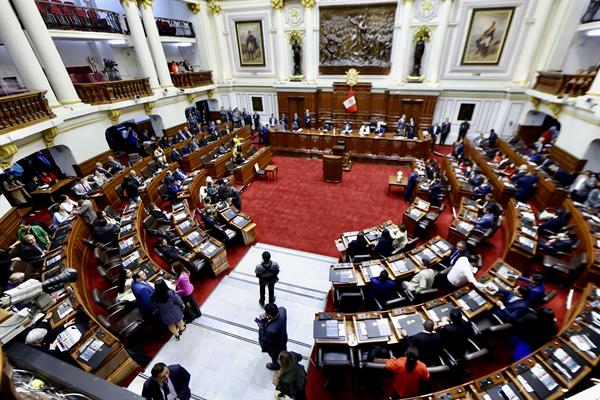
{"points": [[436, 194], [535, 329], [463, 272], [170, 253], [173, 188], [69, 205], [60, 216], [33, 184], [554, 221], [515, 304], [538, 146], [400, 236], [159, 215], [385, 245], [488, 201], [479, 140], [124, 292], [99, 178], [482, 190], [582, 186], [486, 221], [456, 334], [458, 151], [48, 178], [347, 128], [114, 165], [364, 129], [380, 129], [238, 157], [159, 157], [475, 179], [593, 199], [39, 233], [526, 186], [234, 196], [106, 233], [176, 155], [110, 220], [32, 252], [358, 246], [422, 280], [537, 290], [428, 343], [383, 288], [409, 374], [497, 159], [509, 170], [106, 173], [459, 251], [562, 242], [521, 172], [561, 176]]}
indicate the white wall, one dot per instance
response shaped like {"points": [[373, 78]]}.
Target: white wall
{"points": [[593, 156], [63, 158], [176, 52], [243, 99], [578, 130], [7, 67], [583, 53]]}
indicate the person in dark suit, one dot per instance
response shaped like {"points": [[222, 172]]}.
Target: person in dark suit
{"points": [[32, 252], [537, 290], [171, 253], [463, 129], [459, 149], [488, 201], [358, 246], [446, 125], [385, 245], [113, 165], [482, 190], [284, 120], [434, 131], [455, 335], [429, 344], [492, 138], [526, 186], [272, 333], [272, 120], [459, 251], [382, 288], [256, 119], [476, 178], [236, 199], [267, 273], [132, 185], [99, 168], [307, 119], [515, 304], [106, 233], [295, 122], [175, 155], [486, 221], [411, 184], [143, 292], [561, 242], [167, 381]]}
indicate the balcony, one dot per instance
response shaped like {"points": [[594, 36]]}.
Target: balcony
{"points": [[113, 91], [65, 16], [23, 109], [559, 84], [174, 27], [189, 80]]}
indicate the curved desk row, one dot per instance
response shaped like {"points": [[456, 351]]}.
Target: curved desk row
{"points": [[459, 188]]}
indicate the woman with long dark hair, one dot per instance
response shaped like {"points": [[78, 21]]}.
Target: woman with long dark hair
{"points": [[408, 373], [170, 307], [185, 289], [291, 378]]}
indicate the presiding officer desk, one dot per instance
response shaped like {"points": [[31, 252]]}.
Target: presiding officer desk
{"points": [[374, 147]]}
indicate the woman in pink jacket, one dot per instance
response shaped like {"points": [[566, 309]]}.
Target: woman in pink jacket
{"points": [[185, 289]]}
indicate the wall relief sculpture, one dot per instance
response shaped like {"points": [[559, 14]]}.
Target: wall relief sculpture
{"points": [[358, 37]]}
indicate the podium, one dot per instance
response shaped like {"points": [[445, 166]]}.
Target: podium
{"points": [[332, 168]]}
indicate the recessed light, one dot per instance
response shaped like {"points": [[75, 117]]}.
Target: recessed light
{"points": [[593, 32]]}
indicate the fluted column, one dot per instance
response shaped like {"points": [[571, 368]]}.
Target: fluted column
{"points": [[401, 59], [142, 52], [434, 62], [223, 37], [48, 54], [532, 42], [283, 60], [156, 48], [22, 54], [204, 37], [310, 64]]}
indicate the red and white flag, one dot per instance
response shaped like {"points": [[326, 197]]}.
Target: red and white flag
{"points": [[350, 102]]}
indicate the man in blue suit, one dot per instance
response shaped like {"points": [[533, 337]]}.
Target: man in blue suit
{"points": [[143, 292], [459, 251], [167, 382], [413, 179], [272, 120], [486, 221], [307, 119], [526, 187], [480, 191], [515, 304], [295, 122], [383, 288], [459, 149]]}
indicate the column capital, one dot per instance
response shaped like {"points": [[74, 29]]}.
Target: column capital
{"points": [[145, 4], [308, 3], [114, 115], [127, 3], [49, 135], [277, 5], [149, 107], [194, 8], [214, 8], [7, 152]]}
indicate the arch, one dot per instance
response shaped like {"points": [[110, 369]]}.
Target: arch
{"points": [[536, 123], [118, 138], [593, 156]]}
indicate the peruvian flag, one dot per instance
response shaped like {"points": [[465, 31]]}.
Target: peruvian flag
{"points": [[350, 102]]}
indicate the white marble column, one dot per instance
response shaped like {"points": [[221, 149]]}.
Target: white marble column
{"points": [[50, 58], [138, 37], [434, 60], [156, 48], [204, 37], [310, 64], [223, 36], [283, 60], [22, 55], [401, 57], [532, 43]]}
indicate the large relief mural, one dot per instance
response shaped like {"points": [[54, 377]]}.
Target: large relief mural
{"points": [[356, 37]]}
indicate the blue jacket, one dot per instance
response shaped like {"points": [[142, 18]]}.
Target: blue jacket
{"points": [[143, 292], [486, 221], [525, 186], [482, 190], [272, 336], [383, 290], [512, 310]]}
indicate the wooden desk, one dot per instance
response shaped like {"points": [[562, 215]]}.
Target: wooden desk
{"points": [[52, 190], [332, 168], [393, 181], [245, 173], [459, 189], [271, 170]]}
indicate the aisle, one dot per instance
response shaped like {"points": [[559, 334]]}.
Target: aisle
{"points": [[221, 348]]}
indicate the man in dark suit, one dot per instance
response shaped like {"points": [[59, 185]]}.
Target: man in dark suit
{"points": [[445, 130], [32, 252], [459, 251], [486, 221], [383, 288], [429, 344], [113, 165], [272, 120], [256, 119], [167, 382], [434, 131], [463, 129], [284, 120], [105, 232], [307, 119], [459, 149], [411, 184], [272, 333], [455, 335], [132, 185], [295, 122], [492, 138], [515, 304], [175, 155], [103, 170], [526, 186]]}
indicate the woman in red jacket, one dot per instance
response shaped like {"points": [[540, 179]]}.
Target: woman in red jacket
{"points": [[408, 373]]}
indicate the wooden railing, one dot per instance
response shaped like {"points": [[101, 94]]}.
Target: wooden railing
{"points": [[192, 79], [113, 91], [23, 109], [559, 84], [59, 15]]}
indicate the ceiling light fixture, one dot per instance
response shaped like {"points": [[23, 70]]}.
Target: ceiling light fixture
{"points": [[593, 32]]}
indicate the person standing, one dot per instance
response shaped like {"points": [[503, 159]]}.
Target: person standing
{"points": [[86, 210], [445, 130], [272, 333], [170, 308], [434, 132], [307, 119], [291, 381], [185, 289], [256, 119], [267, 273], [167, 382], [463, 129]]}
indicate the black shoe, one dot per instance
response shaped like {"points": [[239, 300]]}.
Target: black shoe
{"points": [[262, 303]]}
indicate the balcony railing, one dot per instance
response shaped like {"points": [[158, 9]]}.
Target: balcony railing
{"points": [[23, 109], [59, 15], [188, 80], [113, 91], [174, 27], [559, 84]]}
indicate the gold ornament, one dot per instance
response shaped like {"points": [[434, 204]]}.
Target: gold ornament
{"points": [[535, 102], [352, 77], [556, 109], [277, 4], [294, 14], [7, 152], [422, 32], [308, 3], [194, 8], [210, 94], [145, 3], [114, 115], [191, 96], [295, 36], [214, 8], [48, 135], [426, 8], [148, 107]]}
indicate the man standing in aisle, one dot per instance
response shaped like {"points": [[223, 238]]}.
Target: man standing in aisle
{"points": [[267, 273], [434, 131], [272, 333], [307, 119], [463, 129], [445, 131]]}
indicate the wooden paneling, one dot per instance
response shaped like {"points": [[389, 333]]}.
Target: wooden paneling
{"points": [[566, 160], [172, 131], [145, 125], [10, 223], [529, 133], [87, 167]]}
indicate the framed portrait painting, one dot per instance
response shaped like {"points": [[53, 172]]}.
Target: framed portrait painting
{"points": [[487, 35], [251, 48]]}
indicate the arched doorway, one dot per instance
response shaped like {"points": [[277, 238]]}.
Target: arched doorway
{"points": [[132, 136], [536, 123]]}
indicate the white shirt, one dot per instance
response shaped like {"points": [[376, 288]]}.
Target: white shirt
{"points": [[364, 129], [462, 273]]}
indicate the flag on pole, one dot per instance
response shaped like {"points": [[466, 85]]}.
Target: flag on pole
{"points": [[350, 102]]}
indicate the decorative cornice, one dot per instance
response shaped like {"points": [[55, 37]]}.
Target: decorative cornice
{"points": [[535, 102], [114, 115], [145, 3], [408, 1], [148, 107], [48, 135], [308, 3], [7, 152], [214, 8], [556, 109], [277, 4], [194, 8]]}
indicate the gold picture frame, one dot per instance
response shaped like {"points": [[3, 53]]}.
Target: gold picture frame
{"points": [[486, 36], [251, 44]]}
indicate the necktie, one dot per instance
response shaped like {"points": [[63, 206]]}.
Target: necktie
{"points": [[165, 388]]}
